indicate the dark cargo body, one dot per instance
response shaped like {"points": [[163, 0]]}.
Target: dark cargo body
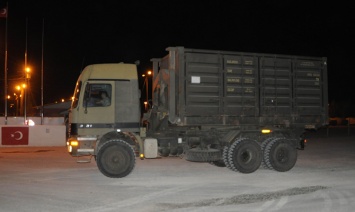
{"points": [[246, 90], [235, 109]]}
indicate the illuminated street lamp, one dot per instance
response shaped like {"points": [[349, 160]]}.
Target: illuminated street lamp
{"points": [[21, 90], [27, 77], [28, 74]]}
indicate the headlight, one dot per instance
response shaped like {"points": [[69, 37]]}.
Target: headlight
{"points": [[74, 143]]}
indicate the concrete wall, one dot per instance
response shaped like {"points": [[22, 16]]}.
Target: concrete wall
{"points": [[16, 133], [37, 120]]}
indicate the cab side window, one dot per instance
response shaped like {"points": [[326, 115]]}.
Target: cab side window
{"points": [[97, 95]]}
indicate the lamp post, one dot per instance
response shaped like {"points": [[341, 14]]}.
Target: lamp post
{"points": [[19, 98], [27, 77], [146, 82], [21, 89]]}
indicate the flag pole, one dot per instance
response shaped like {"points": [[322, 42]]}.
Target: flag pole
{"points": [[5, 64], [26, 80], [42, 70]]}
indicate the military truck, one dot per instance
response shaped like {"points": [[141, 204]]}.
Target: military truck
{"points": [[237, 110]]}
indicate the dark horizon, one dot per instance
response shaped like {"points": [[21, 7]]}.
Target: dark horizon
{"points": [[79, 33]]}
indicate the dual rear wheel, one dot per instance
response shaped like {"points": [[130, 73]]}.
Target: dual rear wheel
{"points": [[246, 155], [279, 155]]}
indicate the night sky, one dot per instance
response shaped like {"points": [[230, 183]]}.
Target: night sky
{"points": [[78, 33]]}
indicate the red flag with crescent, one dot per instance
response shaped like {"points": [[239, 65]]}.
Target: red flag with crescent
{"points": [[3, 13], [14, 135]]}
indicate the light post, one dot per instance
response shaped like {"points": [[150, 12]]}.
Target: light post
{"points": [[17, 98], [8, 97], [27, 77], [21, 89], [146, 82]]}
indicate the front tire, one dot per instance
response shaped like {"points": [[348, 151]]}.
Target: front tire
{"points": [[116, 159]]}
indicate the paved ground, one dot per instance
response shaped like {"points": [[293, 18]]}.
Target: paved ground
{"points": [[48, 179]]}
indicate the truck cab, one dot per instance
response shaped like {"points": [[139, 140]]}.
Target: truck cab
{"points": [[92, 121]]}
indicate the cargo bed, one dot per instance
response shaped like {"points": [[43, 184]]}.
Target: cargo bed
{"points": [[222, 88]]}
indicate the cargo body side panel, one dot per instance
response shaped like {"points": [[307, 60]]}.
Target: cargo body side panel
{"points": [[243, 89]]}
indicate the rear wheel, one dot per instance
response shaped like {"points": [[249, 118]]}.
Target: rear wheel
{"points": [[245, 155], [116, 159], [225, 157], [263, 146], [280, 155]]}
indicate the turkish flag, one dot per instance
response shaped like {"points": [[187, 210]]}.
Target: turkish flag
{"points": [[14, 135], [3, 12]]}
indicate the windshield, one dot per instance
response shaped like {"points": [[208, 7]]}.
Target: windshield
{"points": [[76, 95]]}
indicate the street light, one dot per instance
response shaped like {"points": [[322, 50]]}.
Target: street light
{"points": [[21, 90], [27, 77], [28, 74]]}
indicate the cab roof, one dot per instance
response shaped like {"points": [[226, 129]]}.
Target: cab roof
{"points": [[109, 71]]}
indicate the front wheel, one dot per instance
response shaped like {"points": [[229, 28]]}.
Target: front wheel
{"points": [[116, 159]]}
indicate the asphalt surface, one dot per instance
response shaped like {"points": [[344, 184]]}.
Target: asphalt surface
{"points": [[48, 179]]}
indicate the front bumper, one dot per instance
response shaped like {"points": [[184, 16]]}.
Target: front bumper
{"points": [[80, 146]]}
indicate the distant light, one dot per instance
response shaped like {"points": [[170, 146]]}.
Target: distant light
{"points": [[145, 103], [31, 122], [28, 70], [62, 100], [149, 72]]}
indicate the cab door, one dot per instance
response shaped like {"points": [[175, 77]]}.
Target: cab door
{"points": [[97, 109]]}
